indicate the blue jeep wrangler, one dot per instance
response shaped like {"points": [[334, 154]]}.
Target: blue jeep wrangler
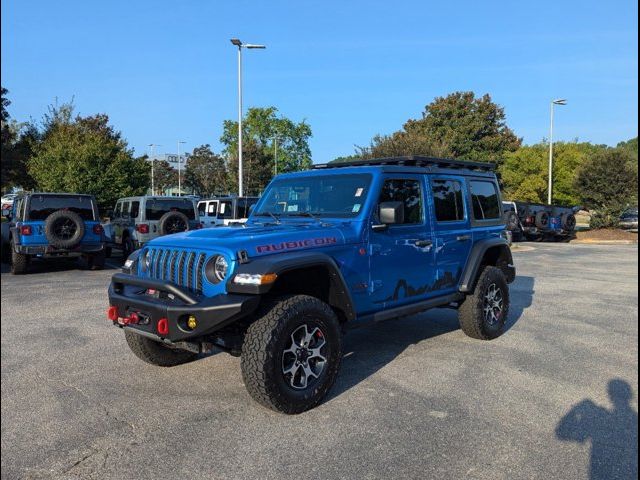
{"points": [[323, 250], [52, 225]]}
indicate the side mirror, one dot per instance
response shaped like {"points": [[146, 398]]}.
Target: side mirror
{"points": [[391, 213]]}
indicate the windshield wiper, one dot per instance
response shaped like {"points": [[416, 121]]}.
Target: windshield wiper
{"points": [[269, 214], [305, 214]]}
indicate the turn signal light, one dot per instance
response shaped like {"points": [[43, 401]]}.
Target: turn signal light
{"points": [[191, 322], [163, 327], [112, 313]]}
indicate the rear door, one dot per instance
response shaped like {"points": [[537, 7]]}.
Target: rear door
{"points": [[452, 229]]}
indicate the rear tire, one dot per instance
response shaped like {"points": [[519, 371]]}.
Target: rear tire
{"points": [[155, 353], [291, 354], [127, 247], [96, 260], [483, 314], [19, 261]]}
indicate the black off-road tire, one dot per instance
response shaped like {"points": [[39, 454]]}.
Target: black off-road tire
{"points": [[6, 253], [471, 312], [265, 342], [107, 252], [155, 353], [569, 222], [54, 219], [95, 261], [127, 247], [19, 261], [170, 223]]}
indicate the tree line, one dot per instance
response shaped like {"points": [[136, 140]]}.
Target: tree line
{"points": [[64, 152], [463, 126], [67, 152]]}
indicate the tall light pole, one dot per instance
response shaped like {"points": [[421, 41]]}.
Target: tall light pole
{"points": [[240, 46], [559, 101], [153, 162], [180, 142], [275, 155]]}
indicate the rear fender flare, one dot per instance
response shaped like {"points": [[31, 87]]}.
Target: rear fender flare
{"points": [[471, 271]]}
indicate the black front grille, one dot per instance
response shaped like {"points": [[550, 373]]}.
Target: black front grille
{"points": [[181, 267]]}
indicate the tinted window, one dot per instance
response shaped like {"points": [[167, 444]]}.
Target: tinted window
{"points": [[339, 196], [212, 209], [135, 209], [484, 197], [202, 208], [225, 210], [125, 209], [405, 191], [117, 213], [447, 199], [41, 206], [156, 208]]}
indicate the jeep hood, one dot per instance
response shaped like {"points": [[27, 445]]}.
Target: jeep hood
{"points": [[260, 240]]}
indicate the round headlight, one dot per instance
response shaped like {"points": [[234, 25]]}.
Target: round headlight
{"points": [[216, 269]]}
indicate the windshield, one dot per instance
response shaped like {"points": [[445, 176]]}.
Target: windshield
{"points": [[41, 206], [340, 196], [156, 208]]}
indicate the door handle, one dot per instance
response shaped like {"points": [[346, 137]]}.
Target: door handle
{"points": [[423, 243], [463, 238]]}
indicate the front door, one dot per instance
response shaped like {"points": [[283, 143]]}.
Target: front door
{"points": [[452, 230], [401, 257]]}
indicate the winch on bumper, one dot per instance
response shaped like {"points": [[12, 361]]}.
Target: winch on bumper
{"points": [[162, 310]]}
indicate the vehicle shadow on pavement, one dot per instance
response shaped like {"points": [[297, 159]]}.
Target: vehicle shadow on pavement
{"points": [[613, 433], [521, 293], [61, 265]]}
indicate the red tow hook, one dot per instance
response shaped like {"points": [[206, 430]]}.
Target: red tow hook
{"points": [[112, 313]]}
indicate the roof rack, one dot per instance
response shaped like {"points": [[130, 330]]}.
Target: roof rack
{"points": [[412, 161]]}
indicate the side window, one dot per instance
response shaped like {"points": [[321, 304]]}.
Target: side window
{"points": [[447, 199], [125, 209], [212, 209], [117, 213], [241, 208], [409, 193], [135, 209], [202, 208], [484, 196]]}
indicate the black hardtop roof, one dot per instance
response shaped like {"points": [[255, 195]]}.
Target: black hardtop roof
{"points": [[432, 163], [56, 194]]}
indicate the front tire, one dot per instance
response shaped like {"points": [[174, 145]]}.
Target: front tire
{"points": [[19, 261], [155, 353], [291, 354], [484, 313]]}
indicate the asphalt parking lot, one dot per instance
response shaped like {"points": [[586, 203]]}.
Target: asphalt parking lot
{"points": [[415, 398]]}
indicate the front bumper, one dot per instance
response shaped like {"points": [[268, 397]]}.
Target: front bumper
{"points": [[152, 300], [50, 251]]}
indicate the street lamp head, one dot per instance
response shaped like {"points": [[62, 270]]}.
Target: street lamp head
{"points": [[236, 42], [560, 101], [251, 45]]}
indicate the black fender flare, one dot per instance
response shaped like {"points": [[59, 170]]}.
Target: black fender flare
{"points": [[472, 268], [339, 295]]}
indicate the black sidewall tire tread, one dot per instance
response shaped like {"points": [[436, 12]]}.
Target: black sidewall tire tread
{"points": [[156, 354], [96, 260], [59, 242], [162, 223], [470, 313], [260, 359], [19, 261]]}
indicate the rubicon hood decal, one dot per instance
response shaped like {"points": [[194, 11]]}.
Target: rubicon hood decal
{"points": [[292, 245]]}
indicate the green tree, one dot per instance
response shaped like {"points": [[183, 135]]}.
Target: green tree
{"points": [[17, 142], [631, 147], [524, 173], [205, 172], [608, 183], [456, 126], [164, 176], [86, 155], [261, 127]]}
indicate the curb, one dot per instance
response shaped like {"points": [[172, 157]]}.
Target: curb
{"points": [[604, 242]]}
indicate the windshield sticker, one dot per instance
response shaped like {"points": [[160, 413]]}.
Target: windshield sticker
{"points": [[309, 242], [359, 192], [356, 208], [292, 208]]}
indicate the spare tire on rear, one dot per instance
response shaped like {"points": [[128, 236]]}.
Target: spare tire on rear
{"points": [[64, 229], [173, 222], [569, 222], [511, 220], [542, 219]]}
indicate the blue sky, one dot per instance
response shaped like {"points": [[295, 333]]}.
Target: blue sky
{"points": [[165, 71]]}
